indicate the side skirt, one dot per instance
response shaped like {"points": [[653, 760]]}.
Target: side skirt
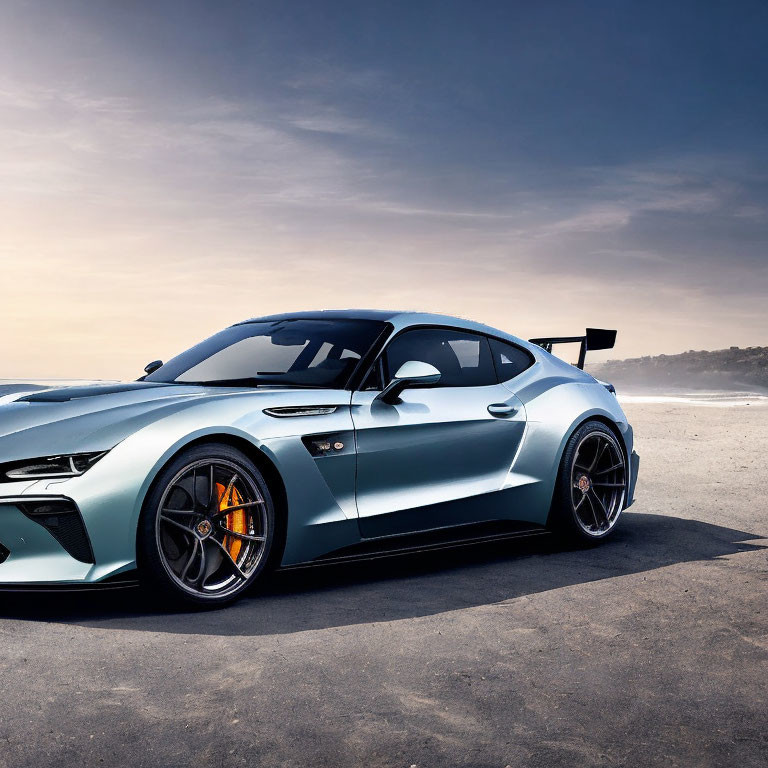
{"points": [[444, 538], [127, 580]]}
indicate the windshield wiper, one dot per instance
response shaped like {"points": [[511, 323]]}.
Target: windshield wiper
{"points": [[251, 381]]}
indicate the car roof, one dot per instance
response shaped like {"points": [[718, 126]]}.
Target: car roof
{"points": [[329, 314], [398, 318]]}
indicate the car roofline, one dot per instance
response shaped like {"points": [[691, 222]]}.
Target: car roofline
{"points": [[399, 319]]}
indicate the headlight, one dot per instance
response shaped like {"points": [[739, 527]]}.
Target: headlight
{"points": [[72, 465]]}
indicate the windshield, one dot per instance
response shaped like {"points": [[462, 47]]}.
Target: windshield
{"points": [[301, 353]]}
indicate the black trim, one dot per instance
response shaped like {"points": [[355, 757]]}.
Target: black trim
{"points": [[406, 544], [527, 352], [330, 443], [90, 586], [65, 394], [364, 365], [594, 339], [61, 517]]}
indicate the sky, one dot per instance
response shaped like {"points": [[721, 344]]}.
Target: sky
{"points": [[169, 167]]}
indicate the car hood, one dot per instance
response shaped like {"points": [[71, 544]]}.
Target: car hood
{"points": [[89, 417]]}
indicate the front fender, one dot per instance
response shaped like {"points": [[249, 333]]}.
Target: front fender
{"points": [[111, 494]]}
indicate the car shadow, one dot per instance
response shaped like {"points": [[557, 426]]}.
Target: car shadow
{"points": [[400, 588]]}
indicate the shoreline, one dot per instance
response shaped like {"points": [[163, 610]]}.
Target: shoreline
{"points": [[708, 399]]}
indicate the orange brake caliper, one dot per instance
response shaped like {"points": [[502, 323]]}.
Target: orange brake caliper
{"points": [[235, 520]]}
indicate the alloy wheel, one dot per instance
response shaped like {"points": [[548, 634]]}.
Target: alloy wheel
{"points": [[212, 528], [598, 483]]}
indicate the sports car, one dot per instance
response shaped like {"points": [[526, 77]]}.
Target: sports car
{"points": [[307, 438]]}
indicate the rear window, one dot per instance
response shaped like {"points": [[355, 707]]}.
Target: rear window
{"points": [[509, 360]]}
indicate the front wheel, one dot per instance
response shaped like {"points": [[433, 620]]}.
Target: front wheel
{"points": [[591, 488], [207, 527]]}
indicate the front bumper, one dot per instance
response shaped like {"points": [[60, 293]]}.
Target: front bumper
{"points": [[61, 538], [37, 547]]}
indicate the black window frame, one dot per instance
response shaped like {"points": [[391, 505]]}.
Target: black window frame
{"points": [[378, 358], [369, 360], [527, 352], [375, 360]]}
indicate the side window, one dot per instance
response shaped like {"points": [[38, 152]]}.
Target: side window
{"points": [[463, 359], [509, 359]]}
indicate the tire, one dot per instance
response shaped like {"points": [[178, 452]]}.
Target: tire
{"points": [[591, 487], [202, 542]]}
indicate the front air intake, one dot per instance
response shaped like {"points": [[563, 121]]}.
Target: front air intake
{"points": [[61, 518]]}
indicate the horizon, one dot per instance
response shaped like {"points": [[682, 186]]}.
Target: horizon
{"points": [[175, 167]]}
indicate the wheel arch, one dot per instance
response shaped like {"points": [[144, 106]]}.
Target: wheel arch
{"points": [[578, 424], [613, 427], [261, 461], [599, 417], [608, 423]]}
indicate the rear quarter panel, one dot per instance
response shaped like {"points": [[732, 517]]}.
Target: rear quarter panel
{"points": [[558, 398]]}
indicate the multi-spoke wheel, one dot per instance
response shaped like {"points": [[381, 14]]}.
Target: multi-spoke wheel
{"points": [[208, 526], [592, 485]]}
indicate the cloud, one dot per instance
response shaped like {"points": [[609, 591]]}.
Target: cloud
{"points": [[135, 221], [195, 153], [597, 218]]}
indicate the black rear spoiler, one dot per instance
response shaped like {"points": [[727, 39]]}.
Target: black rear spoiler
{"points": [[595, 338]]}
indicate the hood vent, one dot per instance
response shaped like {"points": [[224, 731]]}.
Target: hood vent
{"points": [[65, 394]]}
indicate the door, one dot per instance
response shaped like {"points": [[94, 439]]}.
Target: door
{"points": [[439, 456]]}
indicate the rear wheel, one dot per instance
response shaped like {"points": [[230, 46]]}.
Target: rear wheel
{"points": [[207, 527], [591, 486]]}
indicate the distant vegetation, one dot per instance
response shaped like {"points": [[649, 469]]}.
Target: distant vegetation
{"points": [[732, 368]]}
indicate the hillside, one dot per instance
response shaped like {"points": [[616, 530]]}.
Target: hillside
{"points": [[732, 368]]}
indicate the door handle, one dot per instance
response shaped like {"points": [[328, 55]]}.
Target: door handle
{"points": [[501, 409]]}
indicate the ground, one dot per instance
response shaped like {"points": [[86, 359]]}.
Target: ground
{"points": [[651, 649]]}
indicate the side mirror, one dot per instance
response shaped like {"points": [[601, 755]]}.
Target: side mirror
{"points": [[153, 366], [411, 375]]}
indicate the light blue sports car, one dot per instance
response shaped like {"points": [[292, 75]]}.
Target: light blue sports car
{"points": [[305, 438]]}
